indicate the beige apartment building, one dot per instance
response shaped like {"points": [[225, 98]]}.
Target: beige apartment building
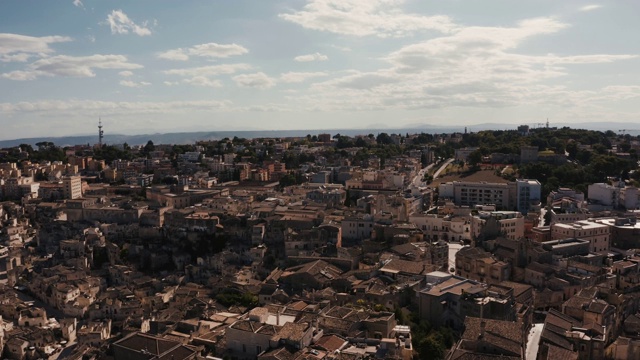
{"points": [[508, 223], [598, 234], [72, 187]]}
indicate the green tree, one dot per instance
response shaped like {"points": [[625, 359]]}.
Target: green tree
{"points": [[572, 149], [384, 138], [430, 348], [400, 317], [149, 147], [475, 158]]}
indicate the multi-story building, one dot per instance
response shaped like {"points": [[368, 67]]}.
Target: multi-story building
{"points": [[565, 199], [19, 186], [509, 224], [476, 264], [321, 177], [72, 187], [518, 195], [527, 194], [629, 198], [465, 193], [625, 232], [609, 196], [448, 299], [568, 217], [463, 154], [357, 228], [528, 154], [448, 228], [603, 194], [325, 138], [191, 156], [597, 233]]}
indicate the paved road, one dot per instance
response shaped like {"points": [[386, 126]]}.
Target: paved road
{"points": [[417, 180], [444, 166], [453, 249], [533, 341]]}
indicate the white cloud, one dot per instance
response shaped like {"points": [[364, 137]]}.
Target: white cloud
{"points": [[211, 70], [15, 43], [470, 67], [258, 80], [265, 108], [105, 108], [383, 18], [175, 54], [203, 81], [590, 7], [203, 75], [133, 84], [341, 48], [78, 3], [471, 50], [364, 81], [217, 50], [20, 75], [171, 83], [125, 73], [120, 23], [210, 50], [311, 57], [19, 57], [71, 66], [298, 77]]}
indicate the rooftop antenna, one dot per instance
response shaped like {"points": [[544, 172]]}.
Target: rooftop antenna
{"points": [[100, 132]]}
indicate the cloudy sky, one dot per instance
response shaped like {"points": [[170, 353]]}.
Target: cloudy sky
{"points": [[160, 66]]}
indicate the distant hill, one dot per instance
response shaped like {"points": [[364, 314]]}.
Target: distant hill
{"points": [[192, 137]]}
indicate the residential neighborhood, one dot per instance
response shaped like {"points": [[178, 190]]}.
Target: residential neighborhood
{"points": [[321, 247]]}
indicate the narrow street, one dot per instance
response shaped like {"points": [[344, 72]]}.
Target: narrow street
{"points": [[52, 312], [453, 249], [441, 169], [417, 180], [533, 340]]}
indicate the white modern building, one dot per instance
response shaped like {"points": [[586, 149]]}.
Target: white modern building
{"points": [[603, 194], [611, 196], [527, 194]]}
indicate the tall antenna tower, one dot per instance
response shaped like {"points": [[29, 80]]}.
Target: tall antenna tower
{"points": [[100, 132]]}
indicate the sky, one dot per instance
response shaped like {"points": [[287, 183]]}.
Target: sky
{"points": [[153, 66]]}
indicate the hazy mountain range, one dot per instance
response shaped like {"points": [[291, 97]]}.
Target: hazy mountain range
{"points": [[192, 137]]}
